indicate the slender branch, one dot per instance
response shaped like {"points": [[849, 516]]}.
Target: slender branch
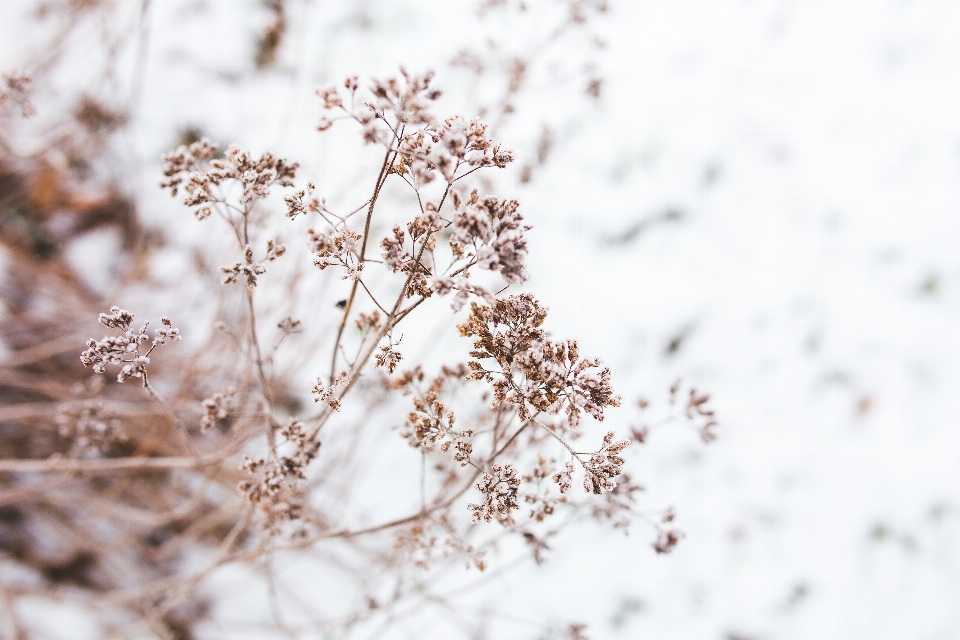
{"points": [[385, 167], [105, 465], [369, 293]]}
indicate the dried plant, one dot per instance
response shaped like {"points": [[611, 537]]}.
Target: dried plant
{"points": [[123, 499]]}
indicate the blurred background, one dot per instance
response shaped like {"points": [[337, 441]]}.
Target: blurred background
{"points": [[758, 197]]}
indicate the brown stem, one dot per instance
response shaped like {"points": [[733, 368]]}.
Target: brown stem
{"points": [[388, 161]]}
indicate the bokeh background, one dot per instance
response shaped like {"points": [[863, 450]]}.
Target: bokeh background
{"points": [[759, 197]]}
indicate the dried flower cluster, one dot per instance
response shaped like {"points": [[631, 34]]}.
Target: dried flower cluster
{"points": [[500, 490], [16, 90], [278, 490], [216, 408], [194, 169], [604, 466], [491, 232], [91, 426], [124, 351], [533, 372], [229, 467]]}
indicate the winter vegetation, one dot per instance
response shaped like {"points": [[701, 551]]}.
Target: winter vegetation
{"points": [[559, 319]]}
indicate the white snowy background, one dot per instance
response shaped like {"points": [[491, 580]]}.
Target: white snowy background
{"points": [[771, 187]]}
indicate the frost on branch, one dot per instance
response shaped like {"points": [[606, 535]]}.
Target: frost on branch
{"points": [[534, 372]]}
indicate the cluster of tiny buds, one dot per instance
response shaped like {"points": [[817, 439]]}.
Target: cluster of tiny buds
{"points": [[194, 169], [124, 350], [604, 465], [535, 374], [698, 415], [216, 408], [279, 492], [250, 268], [16, 89], [92, 427], [499, 489], [328, 395], [295, 203], [667, 540]]}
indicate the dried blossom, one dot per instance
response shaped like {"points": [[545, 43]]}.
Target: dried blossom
{"points": [[388, 358], [328, 396], [248, 270], [604, 466], [420, 542], [429, 422], [534, 371], [575, 631], [289, 326], [408, 379], [193, 168], [368, 322], [124, 351], [447, 147], [17, 88], [409, 99], [461, 445], [639, 435], [696, 408], [537, 546], [278, 490], [706, 432], [295, 202], [92, 427], [564, 479], [667, 540], [216, 408], [394, 255], [330, 97], [416, 542], [397, 115], [341, 248], [406, 99], [463, 288], [500, 490], [495, 232], [542, 504], [275, 250], [615, 506]]}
